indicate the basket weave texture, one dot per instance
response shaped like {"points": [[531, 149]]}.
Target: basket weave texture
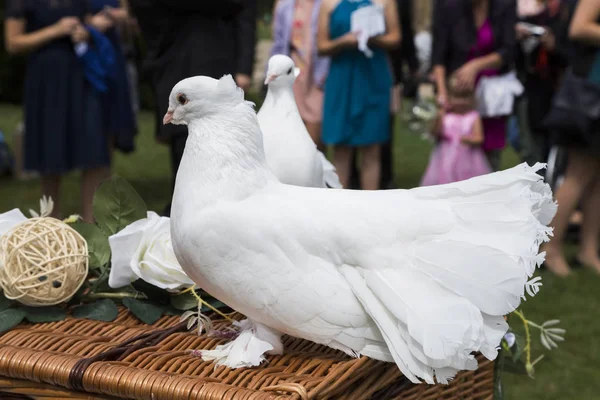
{"points": [[126, 359]]}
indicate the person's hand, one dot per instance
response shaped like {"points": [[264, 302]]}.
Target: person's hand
{"points": [[350, 40], [66, 25], [465, 76], [102, 22], [548, 40], [79, 34], [442, 101], [118, 14], [243, 81]]}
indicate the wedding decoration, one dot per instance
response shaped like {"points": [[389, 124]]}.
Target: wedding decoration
{"points": [[143, 250], [518, 349], [44, 260], [130, 263], [88, 270]]}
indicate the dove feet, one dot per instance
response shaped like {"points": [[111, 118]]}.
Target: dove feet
{"points": [[248, 349]]}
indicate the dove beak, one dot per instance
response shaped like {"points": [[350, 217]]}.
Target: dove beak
{"points": [[168, 117], [270, 78]]}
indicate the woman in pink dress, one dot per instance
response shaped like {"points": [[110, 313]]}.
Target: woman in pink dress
{"points": [[294, 34], [458, 154], [475, 38]]}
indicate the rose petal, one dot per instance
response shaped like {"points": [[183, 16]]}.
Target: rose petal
{"points": [[123, 246], [10, 219], [154, 260]]}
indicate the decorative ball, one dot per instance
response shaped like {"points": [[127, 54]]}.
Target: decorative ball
{"points": [[45, 262]]}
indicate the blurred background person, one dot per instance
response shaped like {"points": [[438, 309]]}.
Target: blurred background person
{"points": [[540, 62], [295, 35], [458, 131], [64, 124], [403, 59], [356, 111], [186, 38], [475, 38], [581, 182], [120, 117]]}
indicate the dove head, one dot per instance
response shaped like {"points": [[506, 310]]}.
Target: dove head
{"points": [[200, 96], [281, 71]]}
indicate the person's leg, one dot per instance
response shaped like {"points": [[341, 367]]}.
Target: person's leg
{"points": [[90, 180], [581, 171], [314, 130], [387, 164], [354, 179], [51, 188], [590, 227], [370, 171], [530, 149], [493, 157], [176, 147], [342, 157]]}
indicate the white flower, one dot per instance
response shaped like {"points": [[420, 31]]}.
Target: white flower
{"points": [[143, 250], [9, 220], [510, 339]]}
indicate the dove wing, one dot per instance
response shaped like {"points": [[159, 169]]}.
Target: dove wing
{"points": [[433, 270]]}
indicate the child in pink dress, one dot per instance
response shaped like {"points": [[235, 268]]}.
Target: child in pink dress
{"points": [[458, 154]]}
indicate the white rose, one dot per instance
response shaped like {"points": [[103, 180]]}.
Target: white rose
{"points": [[143, 250], [9, 220]]}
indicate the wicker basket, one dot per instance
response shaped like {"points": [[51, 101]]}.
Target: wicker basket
{"points": [[125, 359]]}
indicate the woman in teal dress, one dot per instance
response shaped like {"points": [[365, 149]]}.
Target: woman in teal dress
{"points": [[357, 90]]}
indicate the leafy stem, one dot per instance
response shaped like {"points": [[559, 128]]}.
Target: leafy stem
{"points": [[115, 296], [528, 364], [192, 289]]}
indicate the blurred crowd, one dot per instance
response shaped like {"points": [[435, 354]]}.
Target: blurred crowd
{"points": [[520, 73]]}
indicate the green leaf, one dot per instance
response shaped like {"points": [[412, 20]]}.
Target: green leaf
{"points": [[170, 310], [97, 241], [498, 369], [184, 302], [518, 347], [102, 310], [37, 315], [116, 205], [10, 318], [146, 312], [514, 367], [158, 295], [4, 302], [213, 302]]}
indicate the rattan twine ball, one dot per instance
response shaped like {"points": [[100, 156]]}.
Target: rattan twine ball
{"points": [[45, 262]]}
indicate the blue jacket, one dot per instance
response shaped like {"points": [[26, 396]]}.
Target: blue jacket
{"points": [[98, 58]]}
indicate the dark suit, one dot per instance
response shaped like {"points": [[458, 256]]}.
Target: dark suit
{"points": [[189, 37]]}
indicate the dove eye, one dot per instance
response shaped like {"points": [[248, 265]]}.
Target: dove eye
{"points": [[182, 99], [290, 71]]}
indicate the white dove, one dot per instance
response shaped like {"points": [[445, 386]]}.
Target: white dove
{"points": [[418, 277], [291, 153]]}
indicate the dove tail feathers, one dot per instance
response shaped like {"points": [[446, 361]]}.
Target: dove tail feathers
{"points": [[441, 297]]}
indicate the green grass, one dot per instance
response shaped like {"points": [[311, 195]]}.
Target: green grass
{"points": [[570, 372]]}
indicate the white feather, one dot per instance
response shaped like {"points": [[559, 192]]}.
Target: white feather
{"points": [[421, 277], [290, 151]]}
